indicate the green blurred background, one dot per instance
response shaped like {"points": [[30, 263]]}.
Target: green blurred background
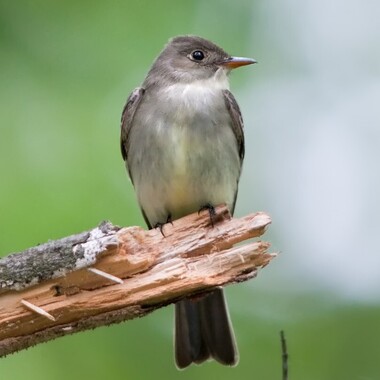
{"points": [[312, 117]]}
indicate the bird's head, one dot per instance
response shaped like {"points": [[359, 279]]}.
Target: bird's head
{"points": [[190, 58]]}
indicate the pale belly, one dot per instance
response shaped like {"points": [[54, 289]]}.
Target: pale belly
{"points": [[182, 158], [177, 172]]}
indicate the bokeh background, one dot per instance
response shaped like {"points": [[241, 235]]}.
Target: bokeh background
{"points": [[311, 109]]}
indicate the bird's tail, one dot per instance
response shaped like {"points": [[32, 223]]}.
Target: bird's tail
{"points": [[203, 330]]}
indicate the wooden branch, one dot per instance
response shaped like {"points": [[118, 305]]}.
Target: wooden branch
{"points": [[108, 275]]}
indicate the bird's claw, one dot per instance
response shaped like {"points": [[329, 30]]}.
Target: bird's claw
{"points": [[211, 212]]}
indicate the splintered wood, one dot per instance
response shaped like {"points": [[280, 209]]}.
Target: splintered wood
{"points": [[109, 274]]}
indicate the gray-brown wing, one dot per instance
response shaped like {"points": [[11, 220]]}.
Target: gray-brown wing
{"points": [[127, 119], [237, 121], [127, 116]]}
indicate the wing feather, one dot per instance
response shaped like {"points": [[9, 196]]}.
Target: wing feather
{"points": [[127, 116], [237, 121]]}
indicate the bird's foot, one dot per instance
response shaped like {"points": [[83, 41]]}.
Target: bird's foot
{"points": [[211, 212], [161, 225]]}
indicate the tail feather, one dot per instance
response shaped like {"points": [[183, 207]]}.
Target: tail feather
{"points": [[189, 342], [203, 330]]}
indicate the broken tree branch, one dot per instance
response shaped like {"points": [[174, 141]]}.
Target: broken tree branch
{"points": [[111, 274]]}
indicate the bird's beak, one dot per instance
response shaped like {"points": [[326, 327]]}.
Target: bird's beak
{"points": [[234, 62]]}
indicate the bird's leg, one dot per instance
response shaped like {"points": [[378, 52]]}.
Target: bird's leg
{"points": [[211, 212], [169, 219], [161, 225]]}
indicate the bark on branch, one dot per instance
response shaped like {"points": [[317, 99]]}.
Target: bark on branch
{"points": [[111, 274]]}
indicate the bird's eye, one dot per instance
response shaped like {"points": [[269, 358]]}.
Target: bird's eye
{"points": [[197, 55]]}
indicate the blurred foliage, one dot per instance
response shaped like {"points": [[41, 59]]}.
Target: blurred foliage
{"points": [[66, 69]]}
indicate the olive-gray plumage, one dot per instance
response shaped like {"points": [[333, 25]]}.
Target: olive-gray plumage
{"points": [[183, 144]]}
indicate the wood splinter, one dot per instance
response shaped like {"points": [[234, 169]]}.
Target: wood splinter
{"points": [[37, 310], [106, 275]]}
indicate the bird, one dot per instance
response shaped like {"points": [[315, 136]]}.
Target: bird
{"points": [[182, 141]]}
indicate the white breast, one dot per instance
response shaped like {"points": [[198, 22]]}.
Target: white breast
{"points": [[198, 95]]}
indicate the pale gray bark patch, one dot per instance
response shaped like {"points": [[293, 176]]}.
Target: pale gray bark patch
{"points": [[55, 258]]}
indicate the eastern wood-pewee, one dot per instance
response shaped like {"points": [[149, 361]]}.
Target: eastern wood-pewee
{"points": [[183, 144]]}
